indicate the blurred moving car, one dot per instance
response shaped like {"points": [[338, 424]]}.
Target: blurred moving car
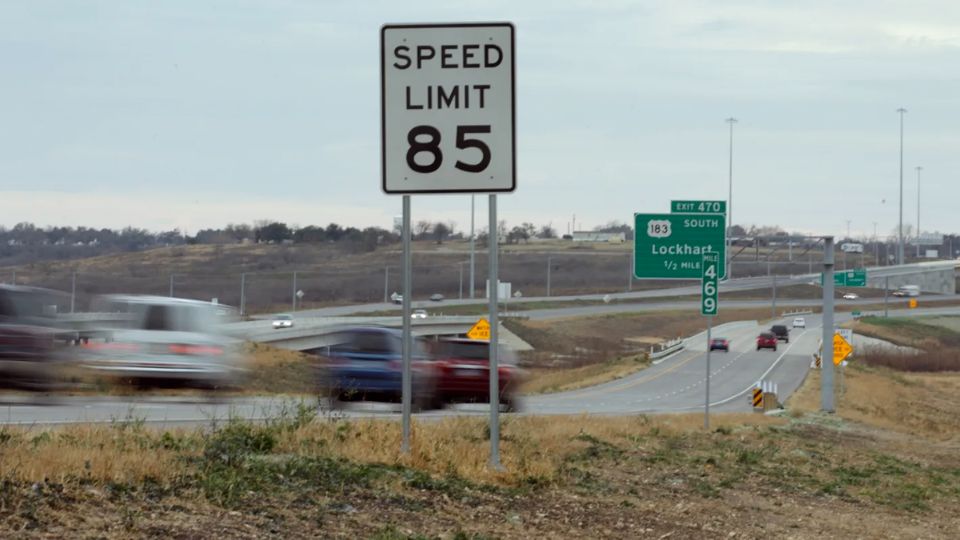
{"points": [[419, 314], [781, 331], [907, 290], [850, 296], [799, 322], [283, 320], [367, 365], [166, 341], [437, 297], [767, 340], [720, 344], [32, 344], [463, 366]]}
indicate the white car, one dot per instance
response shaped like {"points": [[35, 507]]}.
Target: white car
{"points": [[166, 340], [282, 321], [850, 296], [799, 322], [419, 314]]}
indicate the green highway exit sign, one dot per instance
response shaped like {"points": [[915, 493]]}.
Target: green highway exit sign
{"points": [[698, 207], [671, 246], [849, 278]]}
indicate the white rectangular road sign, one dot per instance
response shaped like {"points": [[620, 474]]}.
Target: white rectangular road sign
{"points": [[447, 108]]}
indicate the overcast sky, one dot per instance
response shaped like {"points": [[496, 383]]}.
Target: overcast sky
{"points": [[197, 114]]}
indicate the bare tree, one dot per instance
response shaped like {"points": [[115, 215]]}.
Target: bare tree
{"points": [[422, 228], [547, 231], [440, 231]]}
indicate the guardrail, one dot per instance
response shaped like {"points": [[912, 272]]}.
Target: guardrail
{"points": [[666, 348]]}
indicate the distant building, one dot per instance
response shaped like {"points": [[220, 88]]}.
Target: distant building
{"points": [[594, 236]]}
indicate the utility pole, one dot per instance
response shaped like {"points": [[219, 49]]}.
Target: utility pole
{"points": [[773, 305], [294, 295], [729, 261], [243, 292], [548, 274], [386, 284], [171, 285], [73, 292], [460, 265], [901, 111], [918, 210], [886, 295], [876, 246]]}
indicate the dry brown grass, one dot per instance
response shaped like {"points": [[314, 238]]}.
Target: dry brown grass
{"points": [[543, 380], [924, 405], [91, 453], [533, 448]]}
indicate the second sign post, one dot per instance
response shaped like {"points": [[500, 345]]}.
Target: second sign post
{"points": [[708, 308]]}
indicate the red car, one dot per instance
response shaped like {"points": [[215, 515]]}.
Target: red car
{"points": [[767, 340], [463, 367], [720, 344]]}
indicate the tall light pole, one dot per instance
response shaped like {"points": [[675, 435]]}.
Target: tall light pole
{"points": [[730, 121], [901, 111], [918, 210], [876, 246]]}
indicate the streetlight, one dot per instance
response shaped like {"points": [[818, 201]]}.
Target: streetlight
{"points": [[730, 121], [901, 111], [918, 210]]}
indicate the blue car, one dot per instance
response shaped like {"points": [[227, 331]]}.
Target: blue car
{"points": [[367, 365]]}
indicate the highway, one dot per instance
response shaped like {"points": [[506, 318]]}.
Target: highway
{"points": [[675, 384], [732, 285]]}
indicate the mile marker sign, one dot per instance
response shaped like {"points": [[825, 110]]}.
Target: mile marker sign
{"points": [[447, 108]]}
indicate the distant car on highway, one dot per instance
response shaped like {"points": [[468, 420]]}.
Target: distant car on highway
{"points": [[284, 320], [720, 344], [767, 340], [419, 314], [168, 341], [850, 296], [366, 364], [463, 367], [907, 290], [799, 322], [781, 331], [436, 297], [397, 298]]}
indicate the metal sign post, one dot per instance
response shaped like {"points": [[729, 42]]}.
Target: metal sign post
{"points": [[826, 350], [709, 306], [493, 238], [406, 376]]}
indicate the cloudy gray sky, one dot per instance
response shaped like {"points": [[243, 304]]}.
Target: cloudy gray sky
{"points": [[195, 114]]}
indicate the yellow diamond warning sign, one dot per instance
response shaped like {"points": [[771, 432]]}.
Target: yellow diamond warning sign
{"points": [[481, 330], [841, 349]]}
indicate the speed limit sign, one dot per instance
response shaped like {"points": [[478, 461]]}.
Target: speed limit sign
{"points": [[447, 108]]}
